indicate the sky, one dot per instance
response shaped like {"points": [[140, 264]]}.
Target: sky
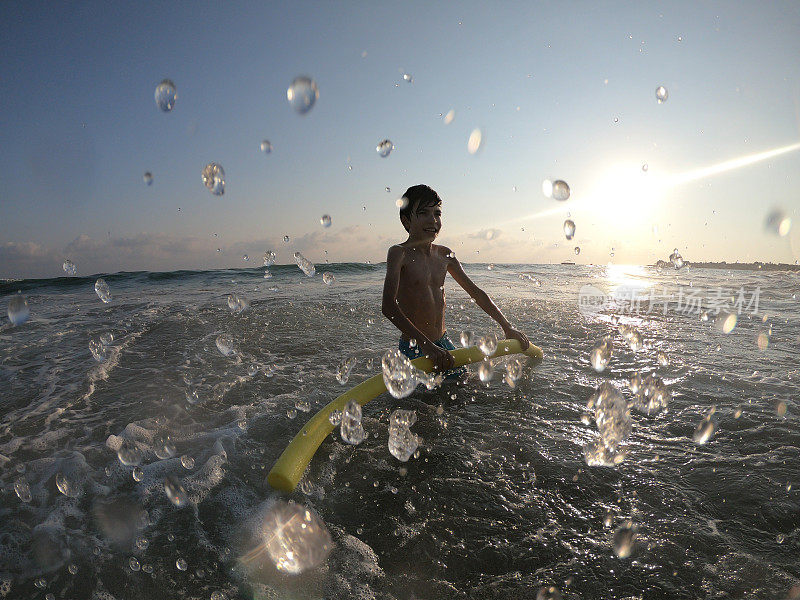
{"points": [[558, 91]]}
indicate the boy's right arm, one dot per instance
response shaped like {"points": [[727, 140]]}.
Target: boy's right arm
{"points": [[394, 263]]}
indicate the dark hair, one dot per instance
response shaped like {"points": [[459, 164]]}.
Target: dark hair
{"points": [[418, 196]]}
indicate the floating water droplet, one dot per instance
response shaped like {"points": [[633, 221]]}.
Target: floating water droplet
{"points": [[181, 564], [175, 492], [485, 371], [137, 473], [245, 257], [22, 489], [569, 228], [560, 190], [601, 354], [487, 344], [676, 259], [662, 94], [165, 95], [102, 290], [286, 239], [325, 220], [129, 455], [328, 278], [399, 374], [624, 539], [448, 118], [99, 350], [237, 304], [344, 368], [401, 203], [70, 268], [133, 564], [548, 593], [778, 222], [72, 568], [577, 250], [663, 359], [269, 258], [611, 415], [350, 427], [474, 141], [148, 178], [335, 417], [266, 147], [187, 461], [384, 148], [164, 448], [295, 538], [65, 486], [302, 94], [651, 395], [18, 311], [107, 338], [466, 339], [306, 266], [704, 431], [726, 322], [402, 442], [226, 345], [514, 369], [214, 178]]}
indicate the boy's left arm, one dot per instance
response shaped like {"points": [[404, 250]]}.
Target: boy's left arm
{"points": [[482, 299]]}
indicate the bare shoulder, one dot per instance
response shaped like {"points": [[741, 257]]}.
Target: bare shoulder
{"points": [[445, 252], [395, 254]]}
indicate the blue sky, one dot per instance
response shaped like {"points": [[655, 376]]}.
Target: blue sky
{"points": [[559, 90]]}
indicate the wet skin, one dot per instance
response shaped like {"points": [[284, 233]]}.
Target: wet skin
{"points": [[413, 291]]}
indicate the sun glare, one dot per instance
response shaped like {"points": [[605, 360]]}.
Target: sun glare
{"points": [[626, 192]]}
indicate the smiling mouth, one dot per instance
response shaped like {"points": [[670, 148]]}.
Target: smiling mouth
{"points": [[432, 230]]}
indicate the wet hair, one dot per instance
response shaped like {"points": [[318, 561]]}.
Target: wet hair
{"points": [[418, 196]]}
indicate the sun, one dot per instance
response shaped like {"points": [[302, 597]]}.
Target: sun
{"points": [[626, 192]]}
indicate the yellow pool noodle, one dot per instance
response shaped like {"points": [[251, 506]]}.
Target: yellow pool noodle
{"points": [[290, 466]]}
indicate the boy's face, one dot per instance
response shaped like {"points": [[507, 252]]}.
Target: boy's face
{"points": [[425, 222]]}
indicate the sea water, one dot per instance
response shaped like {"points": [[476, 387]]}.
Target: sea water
{"points": [[498, 501]]}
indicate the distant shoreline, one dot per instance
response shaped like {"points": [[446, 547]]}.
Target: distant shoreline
{"points": [[735, 266]]}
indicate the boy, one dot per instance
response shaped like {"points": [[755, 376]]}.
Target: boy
{"points": [[413, 292]]}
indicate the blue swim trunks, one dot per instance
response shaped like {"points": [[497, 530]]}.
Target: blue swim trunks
{"points": [[442, 342]]}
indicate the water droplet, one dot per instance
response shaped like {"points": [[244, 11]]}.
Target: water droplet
{"points": [[164, 448], [402, 442], [514, 369], [138, 474], [214, 178], [269, 258], [704, 431], [408, 77], [548, 593], [65, 486], [18, 311], [302, 94], [624, 539], [662, 94], [107, 338], [70, 268], [569, 228], [148, 178], [663, 359], [22, 489], [350, 427], [384, 148], [187, 461], [266, 147], [399, 374], [612, 417], [181, 564], [226, 345], [577, 250], [466, 339], [306, 266], [475, 141], [237, 304], [560, 190], [726, 322], [335, 417], [448, 118], [487, 344], [295, 538], [680, 38], [133, 564], [651, 395], [344, 368], [485, 371], [328, 278], [165, 95], [778, 222], [601, 354], [102, 290], [286, 239], [99, 350], [175, 492], [645, 167]]}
